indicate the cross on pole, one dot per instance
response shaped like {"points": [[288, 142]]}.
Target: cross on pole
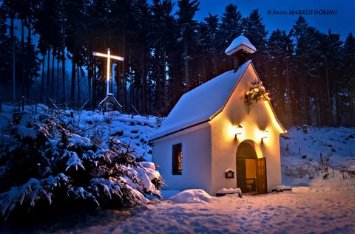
{"points": [[109, 57]]}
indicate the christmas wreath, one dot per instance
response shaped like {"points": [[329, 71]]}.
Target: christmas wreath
{"points": [[256, 92]]}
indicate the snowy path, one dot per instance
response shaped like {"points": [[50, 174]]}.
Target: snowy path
{"points": [[314, 209]]}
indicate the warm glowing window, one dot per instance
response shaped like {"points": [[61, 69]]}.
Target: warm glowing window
{"points": [[177, 159]]}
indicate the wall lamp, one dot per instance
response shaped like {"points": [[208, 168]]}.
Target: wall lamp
{"points": [[238, 131], [264, 134]]}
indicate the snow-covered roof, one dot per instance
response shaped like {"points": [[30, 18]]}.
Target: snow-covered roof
{"points": [[240, 43], [201, 104]]}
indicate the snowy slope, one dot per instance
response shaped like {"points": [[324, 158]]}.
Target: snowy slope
{"points": [[304, 148]]}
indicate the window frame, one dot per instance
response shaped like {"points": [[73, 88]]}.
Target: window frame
{"points": [[177, 159]]}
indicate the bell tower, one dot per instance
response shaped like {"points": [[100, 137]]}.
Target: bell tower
{"points": [[240, 50]]}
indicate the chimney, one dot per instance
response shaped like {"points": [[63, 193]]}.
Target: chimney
{"points": [[241, 50]]}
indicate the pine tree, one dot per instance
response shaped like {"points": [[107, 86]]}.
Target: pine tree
{"points": [[307, 64], [348, 52], [330, 49], [3, 26], [4, 51], [254, 30], [162, 39], [47, 26], [29, 62], [98, 24], [230, 28], [209, 54], [9, 7], [280, 74], [75, 35], [121, 37], [346, 83], [137, 53], [231, 25], [188, 37]]}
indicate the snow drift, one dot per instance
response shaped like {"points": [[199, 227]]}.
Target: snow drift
{"points": [[191, 196]]}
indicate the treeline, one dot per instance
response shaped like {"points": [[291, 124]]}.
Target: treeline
{"points": [[309, 74]]}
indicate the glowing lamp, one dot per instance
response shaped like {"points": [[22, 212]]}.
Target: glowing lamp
{"points": [[238, 131], [264, 134]]}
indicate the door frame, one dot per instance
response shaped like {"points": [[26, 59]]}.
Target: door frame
{"points": [[246, 150]]}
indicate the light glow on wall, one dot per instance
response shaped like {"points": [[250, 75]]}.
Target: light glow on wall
{"points": [[264, 135], [231, 131], [261, 128], [275, 122], [249, 131], [238, 130]]}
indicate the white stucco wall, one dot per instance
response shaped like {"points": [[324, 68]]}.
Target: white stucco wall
{"points": [[209, 149], [259, 117], [196, 158]]}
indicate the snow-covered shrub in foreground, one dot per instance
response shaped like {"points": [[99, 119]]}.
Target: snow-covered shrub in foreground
{"points": [[44, 165]]}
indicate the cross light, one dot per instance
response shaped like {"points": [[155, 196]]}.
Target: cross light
{"points": [[109, 57]]}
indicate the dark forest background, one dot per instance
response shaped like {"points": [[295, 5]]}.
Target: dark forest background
{"points": [[47, 45]]}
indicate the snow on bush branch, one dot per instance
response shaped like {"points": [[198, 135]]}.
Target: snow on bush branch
{"points": [[44, 165], [256, 92]]}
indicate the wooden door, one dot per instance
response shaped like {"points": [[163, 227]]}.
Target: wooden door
{"points": [[241, 174], [261, 182]]}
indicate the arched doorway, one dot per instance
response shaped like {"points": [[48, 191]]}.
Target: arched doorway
{"points": [[251, 171]]}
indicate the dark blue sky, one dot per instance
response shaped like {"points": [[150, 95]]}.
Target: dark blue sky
{"points": [[341, 20]]}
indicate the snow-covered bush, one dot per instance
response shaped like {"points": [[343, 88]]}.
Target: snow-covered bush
{"points": [[45, 165]]}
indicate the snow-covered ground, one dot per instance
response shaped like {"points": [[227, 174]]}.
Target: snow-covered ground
{"points": [[323, 207]]}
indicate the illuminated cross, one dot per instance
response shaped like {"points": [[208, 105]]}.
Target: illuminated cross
{"points": [[109, 57]]}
